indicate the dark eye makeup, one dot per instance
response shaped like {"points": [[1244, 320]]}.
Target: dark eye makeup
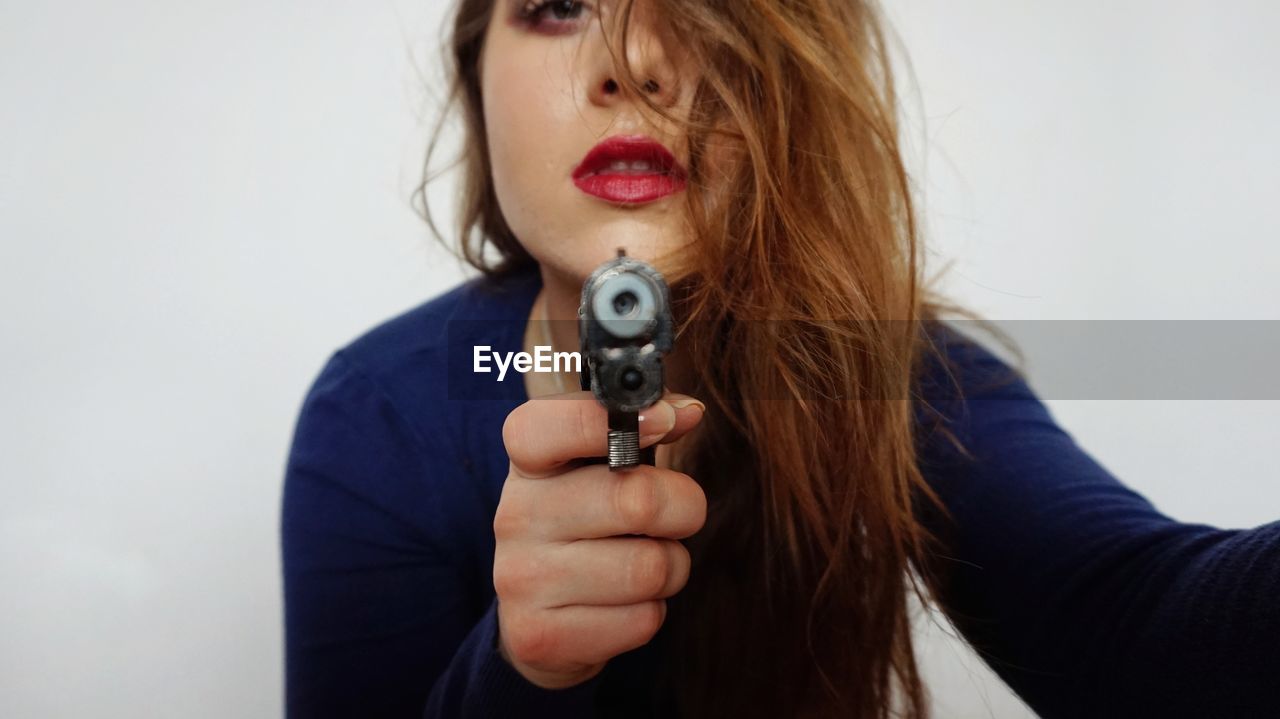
{"points": [[551, 16]]}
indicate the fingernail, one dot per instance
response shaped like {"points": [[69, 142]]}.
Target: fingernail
{"points": [[683, 402], [657, 420]]}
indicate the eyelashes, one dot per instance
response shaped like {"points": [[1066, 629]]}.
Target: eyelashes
{"points": [[551, 16]]}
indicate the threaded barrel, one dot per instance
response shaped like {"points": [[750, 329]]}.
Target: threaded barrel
{"points": [[624, 448]]}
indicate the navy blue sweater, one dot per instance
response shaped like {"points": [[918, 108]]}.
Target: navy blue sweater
{"points": [[1084, 598]]}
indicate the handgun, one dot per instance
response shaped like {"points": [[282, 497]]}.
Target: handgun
{"points": [[625, 327]]}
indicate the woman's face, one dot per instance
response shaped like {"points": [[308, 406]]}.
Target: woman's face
{"points": [[551, 94]]}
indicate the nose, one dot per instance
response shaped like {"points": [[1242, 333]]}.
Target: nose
{"points": [[647, 57]]}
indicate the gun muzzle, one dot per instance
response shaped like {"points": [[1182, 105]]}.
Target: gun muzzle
{"points": [[625, 326]]}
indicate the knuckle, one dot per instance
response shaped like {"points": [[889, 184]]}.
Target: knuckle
{"points": [[648, 568], [693, 501], [511, 520], [515, 575], [679, 571], [653, 615], [700, 497], [534, 641], [513, 432], [639, 500], [505, 582]]}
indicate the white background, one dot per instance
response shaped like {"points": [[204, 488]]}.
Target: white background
{"points": [[199, 201]]}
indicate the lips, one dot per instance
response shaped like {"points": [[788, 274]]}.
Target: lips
{"points": [[629, 170]]}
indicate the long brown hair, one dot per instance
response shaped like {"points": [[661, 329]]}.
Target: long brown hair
{"points": [[798, 601]]}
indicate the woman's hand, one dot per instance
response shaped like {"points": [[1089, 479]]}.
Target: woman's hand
{"points": [[572, 594]]}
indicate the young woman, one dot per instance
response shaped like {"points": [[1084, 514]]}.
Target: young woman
{"points": [[827, 449]]}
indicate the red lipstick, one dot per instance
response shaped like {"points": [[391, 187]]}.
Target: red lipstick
{"points": [[632, 170]]}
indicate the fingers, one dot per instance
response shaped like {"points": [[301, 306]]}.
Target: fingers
{"points": [[542, 435], [574, 588], [610, 571], [574, 636], [689, 412], [591, 502]]}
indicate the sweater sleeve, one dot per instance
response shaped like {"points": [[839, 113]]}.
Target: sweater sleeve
{"points": [[379, 619], [1079, 593]]}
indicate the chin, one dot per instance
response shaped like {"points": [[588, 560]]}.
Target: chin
{"points": [[644, 240], [574, 253]]}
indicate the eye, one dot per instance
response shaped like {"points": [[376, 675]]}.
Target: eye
{"points": [[552, 16]]}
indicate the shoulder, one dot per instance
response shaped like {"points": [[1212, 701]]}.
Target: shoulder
{"points": [[413, 340], [971, 390], [410, 352], [957, 365], [399, 369]]}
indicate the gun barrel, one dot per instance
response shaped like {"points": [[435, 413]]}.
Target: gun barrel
{"points": [[626, 329]]}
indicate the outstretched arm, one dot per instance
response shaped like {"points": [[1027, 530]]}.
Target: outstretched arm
{"points": [[1075, 589]]}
